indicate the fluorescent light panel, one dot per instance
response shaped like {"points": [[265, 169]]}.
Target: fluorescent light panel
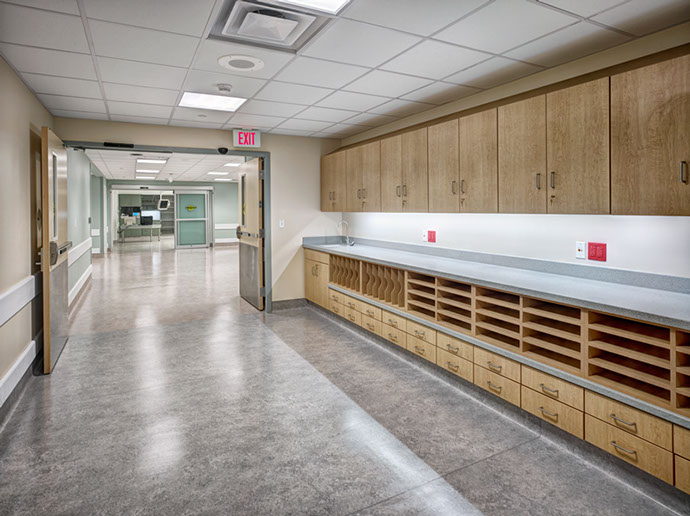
{"points": [[327, 6], [144, 177], [232, 164], [161, 161], [147, 171], [213, 102], [222, 179], [219, 173]]}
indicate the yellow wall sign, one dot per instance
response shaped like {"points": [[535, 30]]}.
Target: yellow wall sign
{"points": [[190, 207]]}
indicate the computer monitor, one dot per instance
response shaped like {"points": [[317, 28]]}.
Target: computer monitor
{"points": [[151, 213], [146, 221]]}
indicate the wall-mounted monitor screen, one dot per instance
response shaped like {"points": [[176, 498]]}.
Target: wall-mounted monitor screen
{"points": [[163, 204], [151, 213]]}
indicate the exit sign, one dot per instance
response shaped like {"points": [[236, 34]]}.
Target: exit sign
{"points": [[246, 138]]}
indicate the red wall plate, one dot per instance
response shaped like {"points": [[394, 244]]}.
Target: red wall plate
{"points": [[596, 251], [431, 236]]}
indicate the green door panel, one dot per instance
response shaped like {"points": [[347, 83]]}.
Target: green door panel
{"points": [[191, 232], [191, 206]]}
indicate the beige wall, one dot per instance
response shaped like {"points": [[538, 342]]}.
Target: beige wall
{"points": [[21, 119], [295, 183]]}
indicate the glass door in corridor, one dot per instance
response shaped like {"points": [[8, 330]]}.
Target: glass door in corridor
{"points": [[192, 219]]}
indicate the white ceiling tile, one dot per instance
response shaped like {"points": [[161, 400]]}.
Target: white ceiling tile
{"points": [[304, 125], [352, 101], [200, 115], [137, 44], [132, 109], [435, 60], [140, 74], [343, 130], [141, 94], [370, 119], [292, 93], [317, 72], [358, 43], [576, 41], [245, 120], [641, 17], [505, 24], [181, 16], [290, 132], [79, 114], [400, 108], [493, 72], [387, 84], [325, 114], [440, 93], [37, 28], [201, 125], [262, 107], [211, 50], [62, 6], [419, 17], [71, 103], [51, 62], [207, 82], [62, 86], [139, 120], [585, 8]]}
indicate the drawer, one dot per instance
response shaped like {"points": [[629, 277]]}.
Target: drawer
{"points": [[565, 392], [353, 316], [454, 346], [370, 311], [351, 303], [681, 441], [497, 364], [334, 295], [310, 254], [497, 384], [630, 420], [393, 320], [559, 414], [337, 308], [421, 332], [394, 335], [371, 324], [683, 474], [421, 348], [645, 455], [454, 364]]}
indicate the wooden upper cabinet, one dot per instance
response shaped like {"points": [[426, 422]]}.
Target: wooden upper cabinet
{"points": [[577, 147], [443, 167], [391, 174], [650, 139], [522, 156], [364, 178], [333, 171], [415, 184], [478, 162]]}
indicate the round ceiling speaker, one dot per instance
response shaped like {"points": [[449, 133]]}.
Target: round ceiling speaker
{"points": [[239, 63]]}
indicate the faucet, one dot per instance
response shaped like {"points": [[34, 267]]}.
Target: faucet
{"points": [[347, 232]]}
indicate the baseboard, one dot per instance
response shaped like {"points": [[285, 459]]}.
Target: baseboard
{"points": [[226, 241], [75, 253], [288, 304], [79, 285], [13, 381]]}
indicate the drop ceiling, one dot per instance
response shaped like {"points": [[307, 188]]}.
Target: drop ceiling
{"points": [[377, 61]]}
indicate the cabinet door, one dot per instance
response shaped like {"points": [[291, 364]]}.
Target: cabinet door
{"points": [[577, 147], [522, 156], [310, 280], [650, 140], [321, 285], [371, 176], [327, 165], [391, 174], [414, 171], [478, 162], [338, 181], [355, 163], [443, 168]]}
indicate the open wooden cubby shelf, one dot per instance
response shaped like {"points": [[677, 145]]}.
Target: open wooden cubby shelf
{"points": [[648, 361]]}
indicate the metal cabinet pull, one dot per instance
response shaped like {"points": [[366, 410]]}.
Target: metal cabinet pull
{"points": [[452, 367], [393, 323], [397, 191], [351, 305], [404, 190], [419, 350], [335, 309], [494, 387], [393, 337], [364, 193], [550, 392], [495, 367], [370, 313], [683, 175], [312, 270], [359, 193], [538, 181], [420, 333], [552, 182], [619, 447], [316, 268], [453, 184], [462, 186], [370, 326], [352, 317], [632, 425], [452, 349], [551, 414]]}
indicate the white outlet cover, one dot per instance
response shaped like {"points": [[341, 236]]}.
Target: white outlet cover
{"points": [[581, 250], [425, 237], [281, 223]]}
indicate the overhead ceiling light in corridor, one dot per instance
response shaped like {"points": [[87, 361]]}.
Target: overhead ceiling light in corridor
{"points": [[144, 177], [147, 171], [326, 6], [161, 161], [218, 173], [214, 102], [232, 164], [223, 179]]}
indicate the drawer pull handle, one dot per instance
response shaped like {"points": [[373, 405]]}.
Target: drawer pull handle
{"points": [[393, 337], [494, 387], [352, 317], [452, 367], [351, 305], [370, 326], [370, 313], [334, 298], [336, 310], [631, 425], [452, 349], [625, 450], [420, 333], [551, 414], [419, 350], [550, 392], [393, 323], [495, 367]]}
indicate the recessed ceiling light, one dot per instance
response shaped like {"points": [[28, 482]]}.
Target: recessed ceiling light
{"points": [[232, 164], [144, 177], [327, 6], [222, 179], [219, 173], [206, 101], [238, 63], [147, 171], [163, 161]]}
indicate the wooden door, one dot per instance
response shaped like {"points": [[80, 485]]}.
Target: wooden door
{"points": [[415, 177], [650, 139], [522, 156], [443, 168], [355, 164], [478, 158], [577, 147], [371, 176], [391, 174]]}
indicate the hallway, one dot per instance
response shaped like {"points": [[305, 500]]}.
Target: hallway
{"points": [[173, 396]]}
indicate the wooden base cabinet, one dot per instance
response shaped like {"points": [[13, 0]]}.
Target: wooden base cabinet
{"points": [[316, 282], [559, 414]]}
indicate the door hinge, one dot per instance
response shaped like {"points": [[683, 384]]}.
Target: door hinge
{"points": [[261, 233], [262, 292], [262, 175], [261, 204]]}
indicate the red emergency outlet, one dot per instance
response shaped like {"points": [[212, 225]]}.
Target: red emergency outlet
{"points": [[596, 251], [431, 236]]}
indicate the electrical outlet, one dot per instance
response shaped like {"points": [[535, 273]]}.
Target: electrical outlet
{"points": [[424, 237], [596, 251], [281, 223], [581, 250], [431, 236]]}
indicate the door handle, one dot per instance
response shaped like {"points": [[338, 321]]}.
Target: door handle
{"points": [[404, 190], [453, 185], [397, 190], [552, 182], [538, 181], [364, 193], [316, 268], [683, 175], [462, 186]]}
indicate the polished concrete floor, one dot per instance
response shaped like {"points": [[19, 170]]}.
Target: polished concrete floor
{"points": [[173, 396]]}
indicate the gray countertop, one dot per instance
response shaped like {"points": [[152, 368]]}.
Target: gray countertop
{"points": [[646, 304]]}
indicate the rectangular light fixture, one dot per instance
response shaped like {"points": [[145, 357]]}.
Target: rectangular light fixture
{"points": [[326, 6], [232, 164], [161, 161], [218, 173], [222, 179], [144, 177], [147, 171], [206, 101]]}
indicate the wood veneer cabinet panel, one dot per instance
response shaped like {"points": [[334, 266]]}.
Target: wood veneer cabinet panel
{"points": [[316, 284], [391, 174], [522, 156], [478, 162], [333, 181], [554, 412], [681, 441], [443, 168], [650, 116], [355, 166], [415, 177], [577, 143], [364, 177]]}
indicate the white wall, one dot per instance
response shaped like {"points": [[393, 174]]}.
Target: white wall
{"points": [[649, 244]]}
